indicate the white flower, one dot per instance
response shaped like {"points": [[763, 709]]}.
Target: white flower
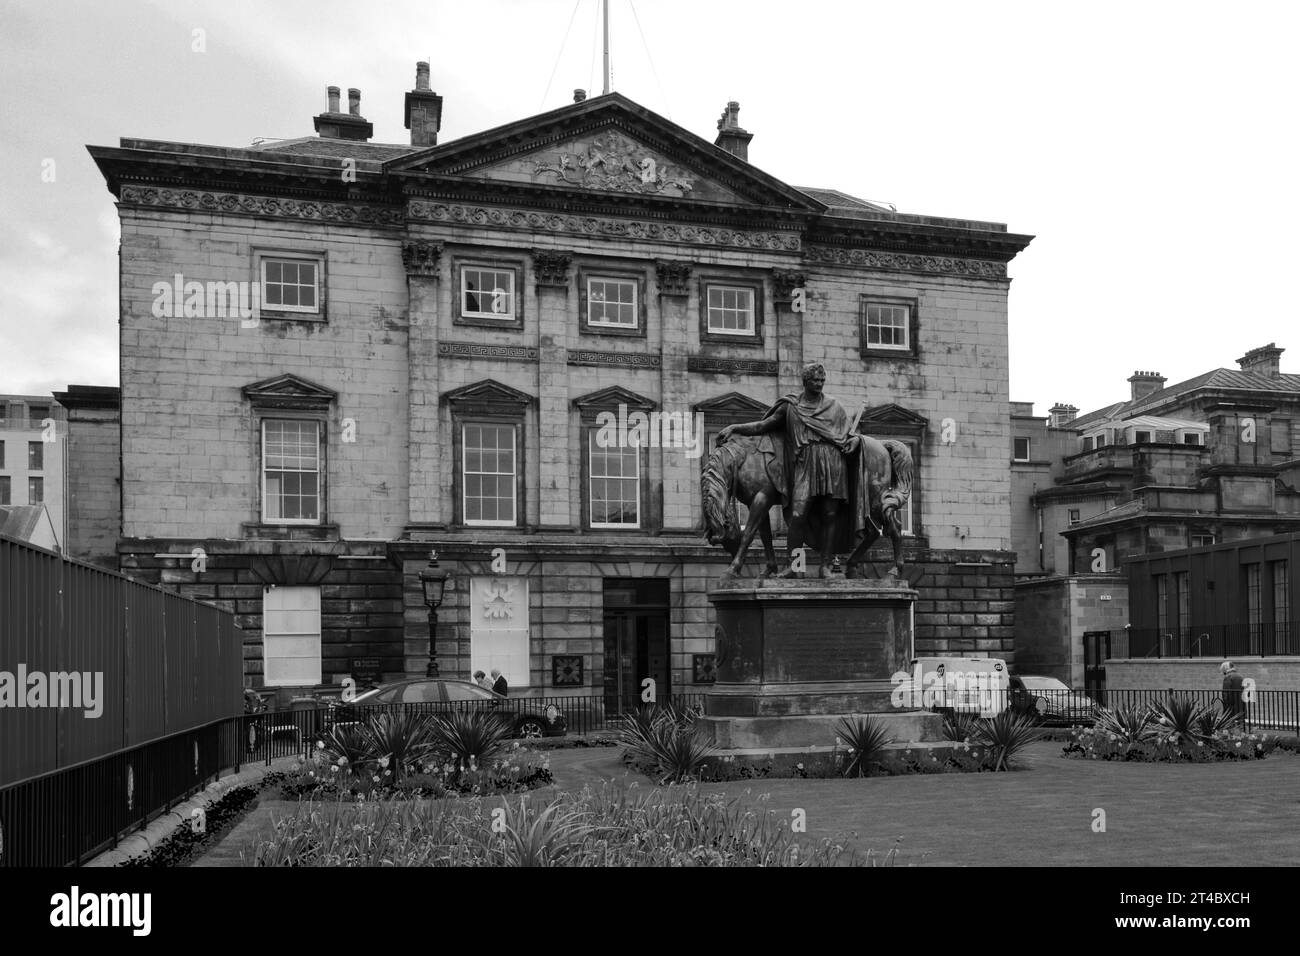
{"points": [[320, 745], [798, 766], [383, 761]]}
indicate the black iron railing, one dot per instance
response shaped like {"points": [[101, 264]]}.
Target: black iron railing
{"points": [[1208, 640]]}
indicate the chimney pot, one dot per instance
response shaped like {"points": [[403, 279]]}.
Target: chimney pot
{"points": [[354, 101], [333, 95], [1265, 360], [579, 95], [423, 109], [730, 136], [1145, 383], [333, 124]]}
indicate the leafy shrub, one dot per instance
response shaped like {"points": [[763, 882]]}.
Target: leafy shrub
{"points": [[866, 741], [184, 843], [1005, 735], [613, 826]]}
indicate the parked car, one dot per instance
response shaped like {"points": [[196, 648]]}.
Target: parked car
{"points": [[440, 695], [1052, 700]]}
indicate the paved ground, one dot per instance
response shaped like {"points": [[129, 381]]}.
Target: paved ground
{"points": [[1156, 814]]}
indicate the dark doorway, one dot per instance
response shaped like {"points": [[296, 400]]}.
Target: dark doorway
{"points": [[1096, 648], [637, 643]]}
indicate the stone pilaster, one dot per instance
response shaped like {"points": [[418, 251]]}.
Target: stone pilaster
{"points": [[680, 473], [789, 328], [429, 477], [551, 274]]}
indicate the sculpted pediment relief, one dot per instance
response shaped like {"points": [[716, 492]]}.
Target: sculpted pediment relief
{"points": [[607, 161]]}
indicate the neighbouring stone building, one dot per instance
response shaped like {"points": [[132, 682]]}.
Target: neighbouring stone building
{"points": [[33, 469], [1210, 460], [427, 336]]}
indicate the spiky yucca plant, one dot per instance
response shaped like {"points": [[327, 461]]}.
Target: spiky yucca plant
{"points": [[350, 746], [463, 736], [397, 740], [1127, 724], [866, 740], [676, 750], [959, 727], [1213, 721], [1006, 735]]}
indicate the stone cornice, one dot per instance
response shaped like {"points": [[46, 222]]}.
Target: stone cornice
{"points": [[420, 258], [600, 226], [239, 204], [906, 262]]}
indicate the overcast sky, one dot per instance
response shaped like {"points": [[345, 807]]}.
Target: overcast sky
{"points": [[1150, 147]]}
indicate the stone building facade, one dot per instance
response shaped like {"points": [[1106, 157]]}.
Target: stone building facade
{"points": [[435, 335], [1209, 460]]}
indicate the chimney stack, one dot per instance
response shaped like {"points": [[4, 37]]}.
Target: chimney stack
{"points": [[423, 109], [333, 124], [1061, 415], [730, 136], [1265, 360], [1145, 383], [579, 95]]}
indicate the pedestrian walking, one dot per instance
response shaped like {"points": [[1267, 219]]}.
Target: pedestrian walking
{"points": [[481, 679], [1232, 697], [499, 683]]}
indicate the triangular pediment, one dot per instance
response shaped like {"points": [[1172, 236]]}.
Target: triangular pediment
{"points": [[289, 391], [610, 145], [610, 398], [733, 403], [891, 416], [487, 392]]}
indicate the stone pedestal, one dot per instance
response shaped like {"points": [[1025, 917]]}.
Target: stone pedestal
{"points": [[795, 656]]}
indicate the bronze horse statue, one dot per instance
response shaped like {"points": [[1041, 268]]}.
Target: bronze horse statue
{"points": [[750, 470]]}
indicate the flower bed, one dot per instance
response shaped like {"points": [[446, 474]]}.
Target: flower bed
{"points": [[1090, 744], [186, 843], [615, 826], [1177, 730], [512, 770]]}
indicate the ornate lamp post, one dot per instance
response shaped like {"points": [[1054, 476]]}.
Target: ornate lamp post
{"points": [[434, 581]]}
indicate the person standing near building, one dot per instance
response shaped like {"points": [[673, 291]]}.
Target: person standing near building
{"points": [[499, 683], [1232, 698]]}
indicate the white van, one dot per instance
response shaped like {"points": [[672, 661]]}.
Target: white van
{"points": [[963, 685]]}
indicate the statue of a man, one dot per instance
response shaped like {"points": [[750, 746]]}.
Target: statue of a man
{"points": [[818, 437]]}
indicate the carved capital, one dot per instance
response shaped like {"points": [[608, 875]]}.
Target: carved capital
{"points": [[421, 258], [552, 268], [786, 282], [674, 277]]}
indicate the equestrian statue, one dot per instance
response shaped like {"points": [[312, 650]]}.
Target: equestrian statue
{"points": [[839, 491]]}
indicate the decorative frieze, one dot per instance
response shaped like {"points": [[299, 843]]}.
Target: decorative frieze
{"points": [[421, 258], [724, 366], [612, 359], [475, 350], [674, 277], [600, 227], [903, 262], [203, 201], [552, 268]]}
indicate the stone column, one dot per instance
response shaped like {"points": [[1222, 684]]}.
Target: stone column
{"points": [[789, 329], [428, 480], [555, 467], [680, 474]]}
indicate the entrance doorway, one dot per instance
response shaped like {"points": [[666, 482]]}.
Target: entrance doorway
{"points": [[1096, 648], [637, 644]]}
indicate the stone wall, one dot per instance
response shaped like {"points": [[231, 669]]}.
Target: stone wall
{"points": [[1273, 673]]}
